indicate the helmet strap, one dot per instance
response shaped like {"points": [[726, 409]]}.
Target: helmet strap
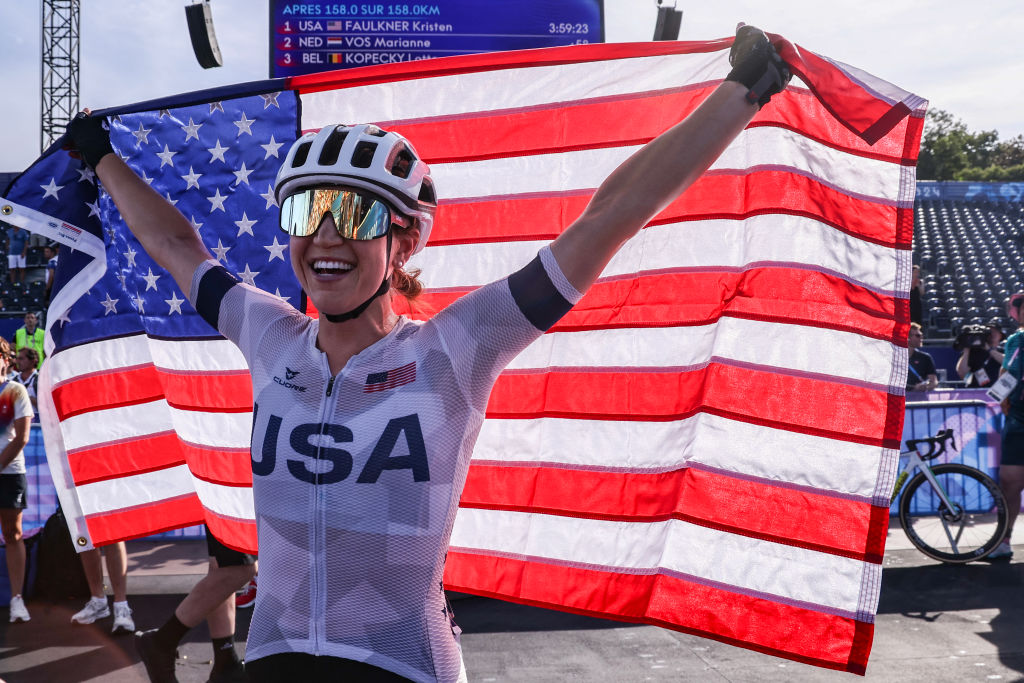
{"points": [[385, 285]]}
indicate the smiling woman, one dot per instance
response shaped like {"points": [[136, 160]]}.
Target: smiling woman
{"points": [[360, 453]]}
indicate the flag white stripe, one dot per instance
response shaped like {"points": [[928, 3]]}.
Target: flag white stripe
{"points": [[791, 573], [217, 430], [730, 446], [229, 501], [796, 348], [133, 490], [764, 146], [214, 355], [520, 88], [138, 489], [689, 244]]}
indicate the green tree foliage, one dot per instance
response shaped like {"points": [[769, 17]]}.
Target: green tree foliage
{"points": [[949, 151]]}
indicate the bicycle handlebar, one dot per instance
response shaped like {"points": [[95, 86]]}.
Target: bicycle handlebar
{"points": [[936, 444]]}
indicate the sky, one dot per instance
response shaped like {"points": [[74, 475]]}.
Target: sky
{"points": [[967, 62]]}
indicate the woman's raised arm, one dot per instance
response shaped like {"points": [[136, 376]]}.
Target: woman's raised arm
{"points": [[164, 233], [659, 172]]}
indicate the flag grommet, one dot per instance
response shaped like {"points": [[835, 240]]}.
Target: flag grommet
{"points": [[6, 209], [82, 540]]}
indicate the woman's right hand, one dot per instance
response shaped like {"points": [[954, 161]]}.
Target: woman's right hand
{"points": [[88, 138]]}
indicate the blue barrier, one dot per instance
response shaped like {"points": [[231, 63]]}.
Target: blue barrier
{"points": [[977, 425]]}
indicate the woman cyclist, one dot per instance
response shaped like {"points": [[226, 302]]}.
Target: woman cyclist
{"points": [[364, 421]]}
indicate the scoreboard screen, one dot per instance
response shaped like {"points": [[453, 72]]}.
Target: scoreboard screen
{"points": [[306, 37]]}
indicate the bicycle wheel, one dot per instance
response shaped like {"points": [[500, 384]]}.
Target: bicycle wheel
{"points": [[969, 531]]}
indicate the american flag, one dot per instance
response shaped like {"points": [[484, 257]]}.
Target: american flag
{"points": [[382, 381], [707, 442]]}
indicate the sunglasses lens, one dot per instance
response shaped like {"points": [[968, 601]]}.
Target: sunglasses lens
{"points": [[357, 216]]}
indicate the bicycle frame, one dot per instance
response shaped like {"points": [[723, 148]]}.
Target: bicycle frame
{"points": [[916, 462]]}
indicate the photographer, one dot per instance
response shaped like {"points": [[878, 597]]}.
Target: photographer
{"points": [[920, 367], [978, 364]]}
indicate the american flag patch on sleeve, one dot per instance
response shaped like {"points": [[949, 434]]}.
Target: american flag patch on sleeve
{"points": [[382, 381]]}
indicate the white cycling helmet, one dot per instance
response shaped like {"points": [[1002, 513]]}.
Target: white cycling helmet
{"points": [[363, 157]]}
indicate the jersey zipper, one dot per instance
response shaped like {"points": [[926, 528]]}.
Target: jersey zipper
{"points": [[316, 612]]}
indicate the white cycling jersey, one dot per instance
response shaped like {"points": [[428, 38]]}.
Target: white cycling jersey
{"points": [[357, 477]]}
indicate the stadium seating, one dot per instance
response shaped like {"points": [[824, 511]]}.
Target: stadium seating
{"points": [[970, 256]]}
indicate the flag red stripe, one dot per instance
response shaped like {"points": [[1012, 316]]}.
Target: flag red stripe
{"points": [[227, 466], [145, 520], [769, 294], [721, 194], [211, 392], [802, 404], [716, 500], [127, 457], [613, 121], [758, 623]]}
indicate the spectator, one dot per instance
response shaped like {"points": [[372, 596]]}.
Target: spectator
{"points": [[15, 417], [26, 363], [50, 252], [921, 374], [30, 336], [916, 290], [996, 339], [17, 247], [977, 364], [213, 599], [117, 569], [1011, 464]]}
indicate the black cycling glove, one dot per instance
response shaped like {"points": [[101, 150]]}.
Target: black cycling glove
{"points": [[757, 65], [87, 136]]}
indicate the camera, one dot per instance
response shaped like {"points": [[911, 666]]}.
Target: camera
{"points": [[971, 337]]}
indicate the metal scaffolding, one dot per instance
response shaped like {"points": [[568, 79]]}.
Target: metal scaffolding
{"points": [[59, 67]]}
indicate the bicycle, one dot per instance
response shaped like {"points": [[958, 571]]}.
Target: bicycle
{"points": [[951, 512]]}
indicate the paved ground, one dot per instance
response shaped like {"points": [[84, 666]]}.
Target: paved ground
{"points": [[936, 623]]}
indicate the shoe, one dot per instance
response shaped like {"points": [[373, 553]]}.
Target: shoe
{"points": [[18, 611], [96, 608], [123, 622], [1002, 553], [235, 674], [159, 662], [247, 598]]}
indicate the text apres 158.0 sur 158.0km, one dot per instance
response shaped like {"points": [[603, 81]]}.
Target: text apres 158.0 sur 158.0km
{"points": [[299, 9]]}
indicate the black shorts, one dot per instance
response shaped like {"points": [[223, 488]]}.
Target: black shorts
{"points": [[298, 666], [225, 556], [1013, 442], [13, 491]]}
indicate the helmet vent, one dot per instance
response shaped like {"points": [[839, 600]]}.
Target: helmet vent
{"points": [[363, 156], [427, 195], [402, 164], [301, 153], [331, 148]]}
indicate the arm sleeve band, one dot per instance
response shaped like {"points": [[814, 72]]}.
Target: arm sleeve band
{"points": [[542, 292], [209, 285]]}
